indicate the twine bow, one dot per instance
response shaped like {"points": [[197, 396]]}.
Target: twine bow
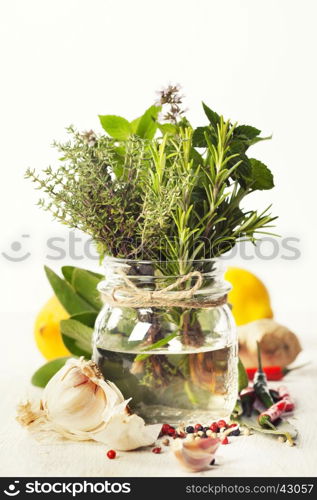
{"points": [[133, 296]]}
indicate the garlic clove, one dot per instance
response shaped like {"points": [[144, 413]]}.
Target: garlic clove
{"points": [[195, 455], [126, 432]]}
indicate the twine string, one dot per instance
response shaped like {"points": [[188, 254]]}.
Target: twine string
{"points": [[133, 296]]}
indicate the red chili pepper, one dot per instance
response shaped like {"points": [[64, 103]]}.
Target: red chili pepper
{"points": [[283, 392], [267, 417], [285, 396], [272, 372], [289, 405]]}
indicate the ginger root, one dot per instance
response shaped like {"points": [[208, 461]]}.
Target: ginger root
{"points": [[279, 346]]}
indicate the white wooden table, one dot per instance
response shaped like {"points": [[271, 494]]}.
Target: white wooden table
{"points": [[254, 455]]}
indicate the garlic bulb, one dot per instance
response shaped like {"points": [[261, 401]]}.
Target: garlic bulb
{"points": [[78, 404], [195, 455]]}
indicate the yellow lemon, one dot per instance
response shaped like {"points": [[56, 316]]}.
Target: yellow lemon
{"points": [[249, 297], [47, 331]]}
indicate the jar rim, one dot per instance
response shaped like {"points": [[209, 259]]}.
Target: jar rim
{"points": [[209, 273], [219, 268]]}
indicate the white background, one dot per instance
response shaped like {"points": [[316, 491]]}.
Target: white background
{"points": [[66, 61]]}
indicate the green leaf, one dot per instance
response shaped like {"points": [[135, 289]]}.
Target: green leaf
{"points": [[183, 123], [147, 125], [159, 343], [259, 139], [67, 272], [134, 124], [66, 294], [247, 131], [42, 376], [243, 380], [77, 337], [212, 116], [196, 157], [117, 127], [199, 139], [167, 128], [87, 318], [85, 285], [237, 410], [283, 427], [261, 176]]}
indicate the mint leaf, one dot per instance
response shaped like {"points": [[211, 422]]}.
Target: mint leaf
{"points": [[167, 128], [212, 116], [117, 127], [199, 139], [247, 131], [261, 176], [134, 124], [259, 139], [44, 374], [66, 294], [147, 125]]}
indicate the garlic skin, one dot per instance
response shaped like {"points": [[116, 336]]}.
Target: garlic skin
{"points": [[78, 404], [195, 456]]}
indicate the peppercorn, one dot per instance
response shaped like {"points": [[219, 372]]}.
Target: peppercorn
{"points": [[157, 450], [171, 431], [235, 432], [190, 429], [198, 427], [213, 462], [221, 423], [225, 441], [214, 427], [165, 428], [111, 454]]}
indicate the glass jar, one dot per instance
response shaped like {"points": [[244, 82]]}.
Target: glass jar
{"points": [[169, 342]]}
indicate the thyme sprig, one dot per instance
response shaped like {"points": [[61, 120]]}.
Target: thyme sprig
{"points": [[159, 191]]}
